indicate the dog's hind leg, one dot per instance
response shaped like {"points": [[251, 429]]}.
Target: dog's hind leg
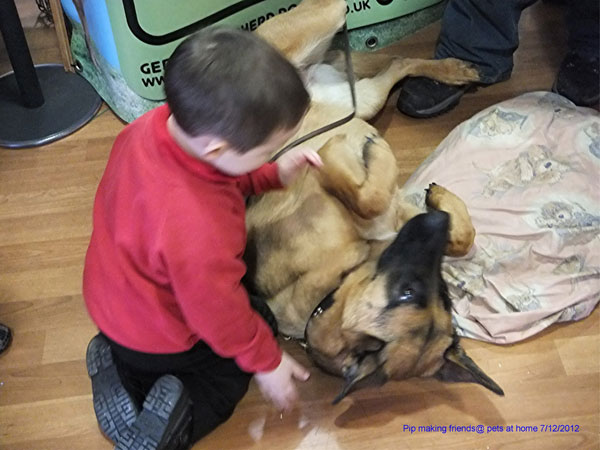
{"points": [[364, 64], [382, 72], [304, 33], [378, 73], [372, 93], [462, 232], [449, 70], [385, 72]]}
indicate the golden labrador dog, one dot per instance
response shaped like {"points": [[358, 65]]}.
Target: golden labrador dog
{"points": [[344, 261]]}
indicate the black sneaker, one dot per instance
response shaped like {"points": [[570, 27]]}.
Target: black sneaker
{"points": [[115, 409], [5, 337], [261, 307], [578, 79], [165, 422], [423, 97]]}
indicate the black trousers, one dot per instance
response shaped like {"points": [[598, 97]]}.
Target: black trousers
{"points": [[216, 385], [486, 33]]}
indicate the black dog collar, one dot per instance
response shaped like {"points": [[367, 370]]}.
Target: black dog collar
{"points": [[323, 306]]}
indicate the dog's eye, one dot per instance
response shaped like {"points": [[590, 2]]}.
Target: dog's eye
{"points": [[407, 295], [404, 296]]}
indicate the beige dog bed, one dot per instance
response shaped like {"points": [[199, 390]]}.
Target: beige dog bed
{"points": [[529, 171]]}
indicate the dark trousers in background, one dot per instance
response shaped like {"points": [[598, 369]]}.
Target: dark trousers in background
{"points": [[216, 385], [486, 33]]}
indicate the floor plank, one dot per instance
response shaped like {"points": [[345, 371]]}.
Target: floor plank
{"points": [[46, 197]]}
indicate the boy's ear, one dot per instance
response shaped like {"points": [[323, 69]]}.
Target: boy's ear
{"points": [[215, 148]]}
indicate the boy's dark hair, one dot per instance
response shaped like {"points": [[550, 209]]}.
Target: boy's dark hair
{"points": [[232, 84]]}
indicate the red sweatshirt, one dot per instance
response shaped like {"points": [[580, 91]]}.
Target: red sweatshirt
{"points": [[164, 264]]}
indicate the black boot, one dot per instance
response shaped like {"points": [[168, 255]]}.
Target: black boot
{"points": [[578, 79], [423, 97], [5, 337], [165, 423], [115, 409]]}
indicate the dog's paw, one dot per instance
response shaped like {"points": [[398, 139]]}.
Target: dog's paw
{"points": [[434, 195], [440, 198], [462, 232], [459, 72]]}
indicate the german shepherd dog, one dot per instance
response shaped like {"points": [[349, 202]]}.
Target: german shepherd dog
{"points": [[344, 261]]}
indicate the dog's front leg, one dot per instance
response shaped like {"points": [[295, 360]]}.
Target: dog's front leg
{"points": [[462, 232], [361, 171]]}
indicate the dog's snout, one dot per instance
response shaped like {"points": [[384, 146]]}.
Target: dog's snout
{"points": [[420, 242]]}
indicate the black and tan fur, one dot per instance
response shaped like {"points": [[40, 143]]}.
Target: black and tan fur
{"points": [[334, 234]]}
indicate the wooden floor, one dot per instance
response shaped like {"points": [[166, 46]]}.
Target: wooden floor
{"points": [[45, 398]]}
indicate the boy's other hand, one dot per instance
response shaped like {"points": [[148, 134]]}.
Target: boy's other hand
{"points": [[295, 160], [278, 385]]}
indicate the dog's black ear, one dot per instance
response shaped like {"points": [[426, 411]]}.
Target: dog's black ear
{"points": [[458, 367], [363, 363]]}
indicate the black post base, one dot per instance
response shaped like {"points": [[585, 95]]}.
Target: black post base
{"points": [[70, 102]]}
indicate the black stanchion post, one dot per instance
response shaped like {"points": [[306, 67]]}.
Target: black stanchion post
{"points": [[38, 104], [18, 53]]}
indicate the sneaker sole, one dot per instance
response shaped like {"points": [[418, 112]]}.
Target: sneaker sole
{"points": [[115, 409], [5, 343], [164, 416]]}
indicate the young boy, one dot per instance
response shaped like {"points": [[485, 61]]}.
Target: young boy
{"points": [[162, 278]]}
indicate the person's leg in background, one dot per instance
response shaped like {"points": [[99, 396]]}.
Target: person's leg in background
{"points": [[483, 32], [578, 78]]}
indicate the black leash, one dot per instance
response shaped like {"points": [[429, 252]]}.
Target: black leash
{"points": [[337, 123]]}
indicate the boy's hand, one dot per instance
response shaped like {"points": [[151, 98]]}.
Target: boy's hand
{"points": [[293, 161], [278, 385]]}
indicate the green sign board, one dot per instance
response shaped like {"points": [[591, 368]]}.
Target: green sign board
{"points": [[147, 31]]}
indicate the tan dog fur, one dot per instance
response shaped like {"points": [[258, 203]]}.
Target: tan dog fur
{"points": [[327, 230]]}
